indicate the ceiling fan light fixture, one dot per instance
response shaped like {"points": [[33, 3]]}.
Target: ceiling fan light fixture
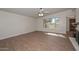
{"points": [[40, 14]]}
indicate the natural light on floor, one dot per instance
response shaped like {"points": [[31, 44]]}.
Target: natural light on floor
{"points": [[53, 34]]}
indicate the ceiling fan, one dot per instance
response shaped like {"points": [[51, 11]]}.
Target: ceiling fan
{"points": [[42, 12]]}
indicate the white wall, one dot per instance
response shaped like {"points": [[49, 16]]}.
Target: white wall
{"points": [[77, 17], [61, 28], [12, 24]]}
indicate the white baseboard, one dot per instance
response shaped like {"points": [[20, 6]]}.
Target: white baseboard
{"points": [[74, 43], [14, 35]]}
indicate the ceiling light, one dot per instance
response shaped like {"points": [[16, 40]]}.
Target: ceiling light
{"points": [[40, 14]]}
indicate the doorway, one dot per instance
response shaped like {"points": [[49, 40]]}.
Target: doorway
{"points": [[71, 29]]}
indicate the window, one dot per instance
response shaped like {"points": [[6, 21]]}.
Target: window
{"points": [[51, 23]]}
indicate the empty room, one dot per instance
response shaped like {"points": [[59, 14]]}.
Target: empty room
{"points": [[39, 29]]}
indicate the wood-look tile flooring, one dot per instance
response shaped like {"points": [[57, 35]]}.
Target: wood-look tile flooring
{"points": [[37, 41]]}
